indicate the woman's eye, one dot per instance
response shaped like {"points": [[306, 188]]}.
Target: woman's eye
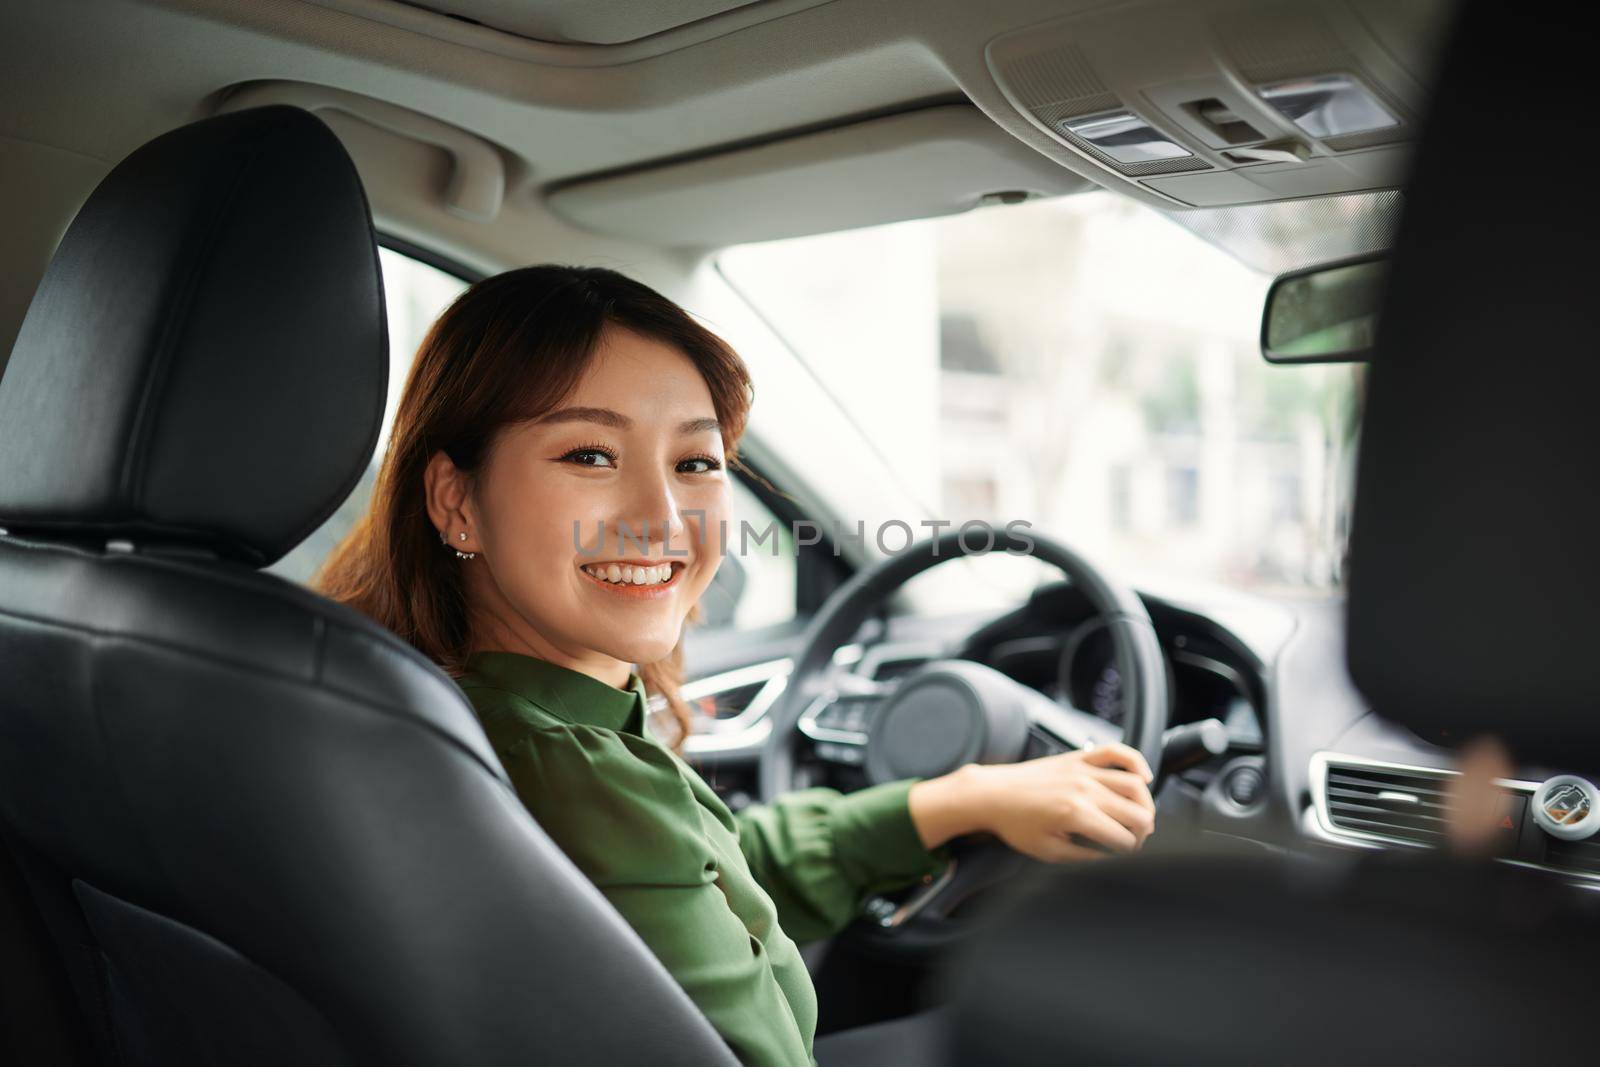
{"points": [[591, 457], [699, 465]]}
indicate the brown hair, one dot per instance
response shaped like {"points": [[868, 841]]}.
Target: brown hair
{"points": [[510, 348]]}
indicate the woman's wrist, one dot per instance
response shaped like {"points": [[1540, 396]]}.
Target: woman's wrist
{"points": [[948, 806]]}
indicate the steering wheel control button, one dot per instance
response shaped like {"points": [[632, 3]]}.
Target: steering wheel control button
{"points": [[1567, 807], [879, 909], [834, 753]]}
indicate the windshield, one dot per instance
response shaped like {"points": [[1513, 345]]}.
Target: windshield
{"points": [[1082, 364]]}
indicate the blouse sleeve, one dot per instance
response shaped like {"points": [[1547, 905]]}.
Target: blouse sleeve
{"points": [[819, 853], [619, 818]]}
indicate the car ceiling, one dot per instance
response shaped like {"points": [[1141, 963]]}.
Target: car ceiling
{"points": [[602, 111]]}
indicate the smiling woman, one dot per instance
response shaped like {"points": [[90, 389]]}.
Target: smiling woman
{"points": [[547, 402], [482, 456], [549, 510], [633, 451]]}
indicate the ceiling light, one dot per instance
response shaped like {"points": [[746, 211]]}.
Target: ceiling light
{"points": [[1123, 136], [1330, 105]]}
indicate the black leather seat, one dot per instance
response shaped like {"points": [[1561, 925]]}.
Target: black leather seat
{"points": [[1471, 609], [253, 827]]}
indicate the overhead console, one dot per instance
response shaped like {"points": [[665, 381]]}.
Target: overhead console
{"points": [[1210, 104]]}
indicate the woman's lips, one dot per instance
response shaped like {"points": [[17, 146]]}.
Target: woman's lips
{"points": [[629, 591]]}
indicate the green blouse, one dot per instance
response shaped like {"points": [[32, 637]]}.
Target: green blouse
{"points": [[719, 898]]}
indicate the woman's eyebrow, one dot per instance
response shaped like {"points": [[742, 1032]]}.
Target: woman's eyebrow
{"points": [[700, 425], [617, 420], [603, 416]]}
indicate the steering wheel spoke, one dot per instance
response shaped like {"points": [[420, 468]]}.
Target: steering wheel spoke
{"points": [[1072, 726], [838, 723]]}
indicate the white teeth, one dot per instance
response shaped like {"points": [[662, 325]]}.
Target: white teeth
{"points": [[627, 574]]}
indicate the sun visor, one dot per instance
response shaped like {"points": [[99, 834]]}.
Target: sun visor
{"points": [[1281, 237], [596, 23], [934, 161]]}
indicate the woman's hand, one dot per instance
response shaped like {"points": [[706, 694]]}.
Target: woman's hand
{"points": [[1101, 795]]}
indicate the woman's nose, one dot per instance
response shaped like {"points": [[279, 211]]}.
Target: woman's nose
{"points": [[652, 517]]}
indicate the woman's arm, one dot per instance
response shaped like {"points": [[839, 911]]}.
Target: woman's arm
{"points": [[1100, 795], [818, 852]]}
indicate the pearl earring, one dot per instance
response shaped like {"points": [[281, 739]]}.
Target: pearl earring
{"points": [[443, 540]]}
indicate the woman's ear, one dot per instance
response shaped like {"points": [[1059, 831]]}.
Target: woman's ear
{"points": [[447, 490]]}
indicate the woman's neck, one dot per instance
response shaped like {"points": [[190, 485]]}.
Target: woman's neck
{"points": [[493, 634]]}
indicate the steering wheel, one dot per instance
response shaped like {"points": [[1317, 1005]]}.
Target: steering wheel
{"points": [[950, 712]]}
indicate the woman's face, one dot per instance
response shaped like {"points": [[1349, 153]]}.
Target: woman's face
{"points": [[635, 451]]}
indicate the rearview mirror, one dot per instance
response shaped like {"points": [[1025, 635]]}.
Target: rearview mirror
{"points": [[1325, 314]]}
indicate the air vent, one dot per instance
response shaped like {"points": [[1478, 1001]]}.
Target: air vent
{"points": [[1382, 802], [1400, 805], [1582, 857], [726, 703], [731, 701]]}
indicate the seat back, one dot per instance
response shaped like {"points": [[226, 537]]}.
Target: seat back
{"points": [[1472, 576], [1470, 611], [254, 827]]}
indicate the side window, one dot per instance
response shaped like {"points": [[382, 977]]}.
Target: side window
{"points": [[767, 578], [414, 296], [757, 584]]}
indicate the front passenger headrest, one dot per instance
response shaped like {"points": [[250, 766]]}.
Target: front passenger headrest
{"points": [[1473, 580], [204, 363]]}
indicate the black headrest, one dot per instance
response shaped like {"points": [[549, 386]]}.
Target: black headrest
{"points": [[205, 362], [1473, 580]]}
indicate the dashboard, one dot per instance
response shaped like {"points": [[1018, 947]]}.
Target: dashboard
{"points": [[1053, 643], [1308, 765], [1056, 644]]}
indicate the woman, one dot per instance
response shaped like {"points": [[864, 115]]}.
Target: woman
{"points": [[546, 517]]}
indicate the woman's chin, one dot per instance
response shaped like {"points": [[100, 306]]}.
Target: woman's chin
{"points": [[639, 650]]}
